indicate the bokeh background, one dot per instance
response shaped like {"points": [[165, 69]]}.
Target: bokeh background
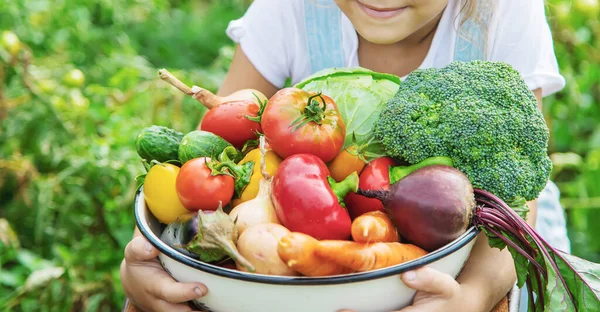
{"points": [[78, 81]]}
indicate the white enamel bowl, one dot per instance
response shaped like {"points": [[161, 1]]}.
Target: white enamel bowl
{"points": [[234, 291]]}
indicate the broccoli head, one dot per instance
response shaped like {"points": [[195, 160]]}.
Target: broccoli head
{"points": [[482, 115]]}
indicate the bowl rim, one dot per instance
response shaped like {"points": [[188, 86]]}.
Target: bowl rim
{"points": [[170, 252]]}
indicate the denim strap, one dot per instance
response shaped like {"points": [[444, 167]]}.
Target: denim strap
{"points": [[323, 21], [471, 39]]}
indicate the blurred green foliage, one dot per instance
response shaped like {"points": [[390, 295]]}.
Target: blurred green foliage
{"points": [[77, 83]]}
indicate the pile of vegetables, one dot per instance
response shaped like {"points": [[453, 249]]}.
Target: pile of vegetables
{"points": [[352, 171]]}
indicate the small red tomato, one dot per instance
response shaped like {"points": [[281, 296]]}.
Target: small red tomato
{"points": [[198, 189], [300, 122], [229, 121], [375, 176]]}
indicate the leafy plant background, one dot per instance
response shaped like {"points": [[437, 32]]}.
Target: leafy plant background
{"points": [[67, 155]]}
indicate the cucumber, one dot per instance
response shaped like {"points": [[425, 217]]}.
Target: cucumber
{"points": [[200, 143], [158, 143]]}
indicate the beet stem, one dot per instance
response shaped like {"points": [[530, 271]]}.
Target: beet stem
{"points": [[517, 220], [512, 227], [488, 215], [530, 293], [504, 208], [526, 255], [515, 246]]}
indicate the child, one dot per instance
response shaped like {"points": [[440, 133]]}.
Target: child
{"points": [[281, 39]]}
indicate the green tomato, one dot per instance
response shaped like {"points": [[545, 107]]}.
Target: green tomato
{"points": [[74, 78], [10, 42]]}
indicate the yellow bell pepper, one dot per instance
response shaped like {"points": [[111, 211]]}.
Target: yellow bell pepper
{"points": [[160, 193], [346, 162], [251, 190]]}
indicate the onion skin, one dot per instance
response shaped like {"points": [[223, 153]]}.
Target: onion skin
{"points": [[255, 211]]}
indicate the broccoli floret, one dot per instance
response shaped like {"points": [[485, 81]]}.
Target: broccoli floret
{"points": [[482, 115]]}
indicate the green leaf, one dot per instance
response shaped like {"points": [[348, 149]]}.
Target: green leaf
{"points": [[583, 279], [521, 266], [519, 205]]}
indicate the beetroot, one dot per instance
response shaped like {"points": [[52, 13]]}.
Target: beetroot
{"points": [[431, 207], [435, 204]]}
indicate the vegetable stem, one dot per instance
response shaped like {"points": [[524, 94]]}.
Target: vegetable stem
{"points": [[172, 80], [261, 109], [312, 112], [513, 245], [230, 249], [398, 172], [382, 195], [207, 98], [494, 202], [494, 215], [342, 188]]}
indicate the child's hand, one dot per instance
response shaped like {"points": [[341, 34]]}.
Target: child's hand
{"points": [[148, 285], [436, 291]]}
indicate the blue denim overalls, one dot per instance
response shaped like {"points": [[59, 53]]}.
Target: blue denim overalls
{"points": [[324, 37]]}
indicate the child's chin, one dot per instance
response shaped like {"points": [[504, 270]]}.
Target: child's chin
{"points": [[383, 35]]}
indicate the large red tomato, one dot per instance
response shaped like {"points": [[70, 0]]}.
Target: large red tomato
{"points": [[230, 121], [375, 176], [198, 189], [300, 122]]}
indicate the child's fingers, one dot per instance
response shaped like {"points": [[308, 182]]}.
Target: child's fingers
{"points": [[164, 287], [431, 281], [139, 249]]}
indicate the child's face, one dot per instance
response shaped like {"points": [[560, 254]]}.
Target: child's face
{"points": [[390, 21]]}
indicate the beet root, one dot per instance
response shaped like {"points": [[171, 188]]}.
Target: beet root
{"points": [[430, 207]]}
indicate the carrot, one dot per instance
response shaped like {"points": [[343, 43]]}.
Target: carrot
{"points": [[298, 251], [374, 227], [361, 257]]}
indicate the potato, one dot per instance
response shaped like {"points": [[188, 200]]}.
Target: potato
{"points": [[258, 244]]}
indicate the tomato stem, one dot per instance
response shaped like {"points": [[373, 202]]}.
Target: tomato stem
{"points": [[312, 112], [261, 108], [241, 174]]}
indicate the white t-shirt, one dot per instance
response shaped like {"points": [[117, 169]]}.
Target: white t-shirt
{"points": [[272, 34]]}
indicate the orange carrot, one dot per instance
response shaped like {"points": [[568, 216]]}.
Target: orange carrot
{"points": [[361, 257], [298, 251], [374, 227]]}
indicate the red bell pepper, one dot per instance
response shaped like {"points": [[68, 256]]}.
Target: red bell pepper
{"points": [[309, 201], [375, 176]]}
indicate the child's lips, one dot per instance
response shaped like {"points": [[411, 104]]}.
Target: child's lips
{"points": [[381, 13]]}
